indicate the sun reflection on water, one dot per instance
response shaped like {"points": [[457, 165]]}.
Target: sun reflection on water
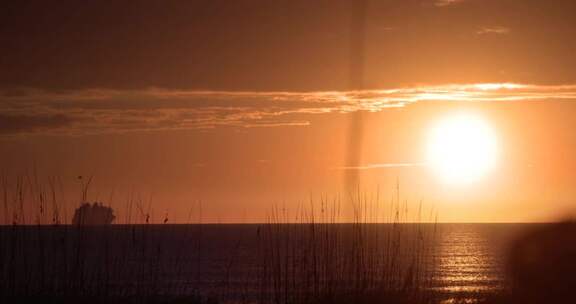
{"points": [[465, 265]]}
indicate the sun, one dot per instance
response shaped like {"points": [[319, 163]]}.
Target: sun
{"points": [[462, 148]]}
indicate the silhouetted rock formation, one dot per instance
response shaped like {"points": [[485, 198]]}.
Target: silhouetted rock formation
{"points": [[93, 214], [543, 265]]}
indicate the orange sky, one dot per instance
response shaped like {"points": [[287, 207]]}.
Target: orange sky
{"points": [[244, 105]]}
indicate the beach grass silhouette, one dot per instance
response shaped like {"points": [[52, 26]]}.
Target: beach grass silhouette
{"points": [[309, 256]]}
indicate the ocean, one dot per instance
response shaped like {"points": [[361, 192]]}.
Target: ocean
{"points": [[241, 262]]}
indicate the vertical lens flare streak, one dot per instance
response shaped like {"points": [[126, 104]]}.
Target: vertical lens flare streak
{"points": [[356, 82]]}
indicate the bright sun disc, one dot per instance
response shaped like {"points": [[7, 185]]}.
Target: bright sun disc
{"points": [[461, 148]]}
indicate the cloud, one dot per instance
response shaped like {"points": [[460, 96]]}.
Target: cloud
{"points": [[498, 30], [82, 112], [441, 3], [383, 166], [14, 123]]}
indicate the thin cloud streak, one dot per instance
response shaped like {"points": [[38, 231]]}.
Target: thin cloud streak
{"points": [[442, 3], [383, 166], [97, 111], [498, 30]]}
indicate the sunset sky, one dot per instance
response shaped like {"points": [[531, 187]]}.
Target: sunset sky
{"points": [[244, 105]]}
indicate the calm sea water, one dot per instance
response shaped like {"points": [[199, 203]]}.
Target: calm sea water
{"points": [[473, 257], [222, 259]]}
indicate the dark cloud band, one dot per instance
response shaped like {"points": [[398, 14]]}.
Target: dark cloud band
{"points": [[94, 111]]}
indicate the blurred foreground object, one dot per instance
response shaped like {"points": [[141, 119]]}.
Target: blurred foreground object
{"points": [[542, 264]]}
